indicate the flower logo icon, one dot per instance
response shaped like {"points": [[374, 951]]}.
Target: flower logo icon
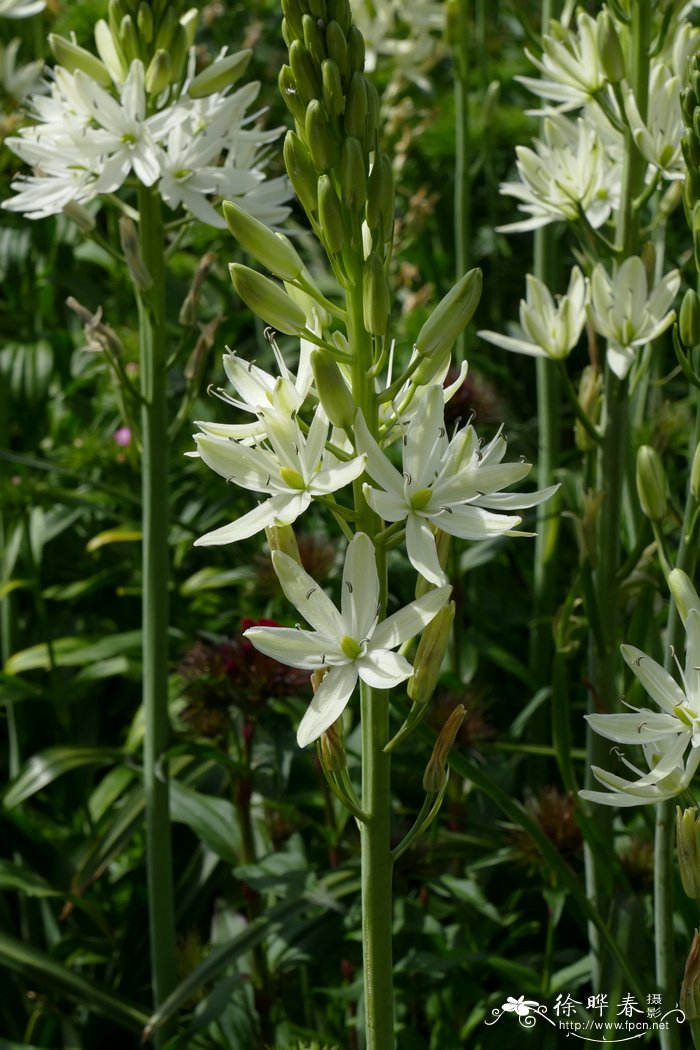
{"points": [[520, 1006]]}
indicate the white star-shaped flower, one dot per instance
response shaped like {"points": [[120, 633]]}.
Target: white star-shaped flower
{"points": [[350, 642], [450, 484], [658, 138], [571, 69]]}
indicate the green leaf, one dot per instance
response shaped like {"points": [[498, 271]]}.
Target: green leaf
{"points": [[13, 688], [46, 766], [102, 539], [213, 820], [72, 651], [60, 592], [209, 578], [8, 586], [13, 877]]}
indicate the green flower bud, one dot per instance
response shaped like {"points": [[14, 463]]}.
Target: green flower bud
{"points": [[356, 49], [144, 22], [435, 776], [69, 55], [282, 538], [287, 34], [683, 592], [80, 216], [333, 97], [116, 10], [430, 654], [694, 475], [331, 749], [131, 247], [612, 58], [220, 74], [129, 39], [330, 216], [690, 986], [380, 197], [301, 172], [689, 101], [189, 22], [322, 146], [339, 11], [337, 48], [429, 367], [110, 52], [690, 148], [178, 53], [651, 483], [289, 92], [353, 179], [268, 300], [589, 392], [307, 303], [305, 72], [166, 30], [372, 123], [273, 250], [318, 9], [293, 15], [314, 39], [695, 77], [695, 123], [159, 73], [451, 316], [333, 392], [376, 301], [689, 319], [356, 107]]}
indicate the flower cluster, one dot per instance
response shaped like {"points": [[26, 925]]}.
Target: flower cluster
{"points": [[409, 40]]}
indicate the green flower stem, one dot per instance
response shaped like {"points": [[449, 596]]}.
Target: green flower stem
{"points": [[463, 181], [375, 832], [154, 438]]}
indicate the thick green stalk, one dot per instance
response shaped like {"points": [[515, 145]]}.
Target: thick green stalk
{"points": [[463, 182], [375, 833], [154, 438]]}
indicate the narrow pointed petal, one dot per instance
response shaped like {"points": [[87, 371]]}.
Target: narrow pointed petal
{"points": [[641, 727], [515, 500], [474, 523], [254, 521], [388, 506], [506, 342], [378, 466], [421, 549], [382, 669], [295, 648], [328, 704], [657, 682], [336, 477], [360, 587], [421, 446], [409, 621], [306, 596]]}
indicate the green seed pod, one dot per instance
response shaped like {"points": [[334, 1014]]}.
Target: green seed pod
{"points": [[72, 57], [612, 58], [166, 30], [129, 39], [273, 250], [353, 178], [684, 594], [159, 73], [288, 90], [339, 11], [695, 77], [333, 97], [651, 483], [144, 22], [293, 15], [322, 145], [337, 47], [430, 653], [330, 216], [356, 107], [305, 72], [314, 39], [301, 172], [451, 316], [376, 300], [333, 392], [695, 229], [356, 49], [380, 197], [268, 300], [372, 123], [222, 73], [689, 319]]}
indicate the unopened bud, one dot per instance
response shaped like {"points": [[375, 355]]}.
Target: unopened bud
{"points": [[429, 367], [179, 52], [282, 538], [451, 316], [159, 73], [688, 846], [301, 172], [144, 22], [166, 30], [288, 90], [689, 319], [275, 251], [332, 748], [690, 148], [339, 11], [129, 39], [323, 148], [330, 215], [651, 483], [435, 776], [305, 72], [292, 13], [356, 49], [333, 97], [353, 178], [333, 392], [380, 197], [267, 300], [690, 987], [684, 594], [337, 48], [189, 311], [376, 301], [589, 393], [372, 123], [356, 107], [222, 73], [695, 475], [80, 216], [189, 23], [131, 247], [109, 52], [69, 55], [430, 654], [314, 39], [612, 58], [317, 315]]}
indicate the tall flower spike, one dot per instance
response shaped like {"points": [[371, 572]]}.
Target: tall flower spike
{"points": [[450, 484], [350, 642]]}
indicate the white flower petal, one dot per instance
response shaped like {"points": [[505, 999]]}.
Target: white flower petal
{"points": [[387, 505], [360, 587], [635, 727], [409, 621], [295, 647], [378, 466], [382, 669], [657, 682], [306, 596], [328, 704], [336, 477], [422, 551]]}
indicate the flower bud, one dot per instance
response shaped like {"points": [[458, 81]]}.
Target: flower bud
{"points": [[589, 391], [273, 250], [651, 483], [132, 253], [292, 13], [435, 776], [333, 97], [305, 72], [129, 39], [612, 58], [144, 22], [288, 90], [109, 52], [695, 475], [322, 146], [356, 49], [332, 390], [222, 73], [330, 216], [159, 73], [116, 10], [684, 594], [689, 319], [337, 48], [189, 23], [356, 107], [451, 316], [179, 52], [314, 40], [688, 846], [339, 11], [430, 654], [317, 677], [301, 172], [690, 986], [380, 197], [353, 178], [282, 538], [268, 300], [376, 301], [69, 55], [312, 310], [332, 749], [372, 123], [690, 148], [80, 216], [166, 30]]}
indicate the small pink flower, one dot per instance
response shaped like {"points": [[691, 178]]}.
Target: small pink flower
{"points": [[122, 437]]}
